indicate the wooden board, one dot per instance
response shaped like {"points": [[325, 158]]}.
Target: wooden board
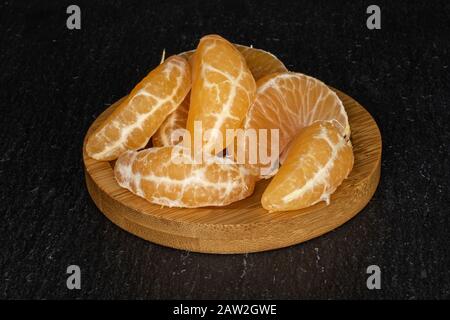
{"points": [[243, 226]]}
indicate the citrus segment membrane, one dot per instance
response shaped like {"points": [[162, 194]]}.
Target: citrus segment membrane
{"points": [[223, 88], [169, 176], [319, 159], [176, 120], [135, 120], [285, 103], [260, 63]]}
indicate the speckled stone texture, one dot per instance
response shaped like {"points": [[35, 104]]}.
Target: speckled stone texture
{"points": [[54, 82]]}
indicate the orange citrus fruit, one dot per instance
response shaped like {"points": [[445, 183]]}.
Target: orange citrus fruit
{"points": [[169, 176], [135, 120], [288, 102], [318, 161], [223, 89]]}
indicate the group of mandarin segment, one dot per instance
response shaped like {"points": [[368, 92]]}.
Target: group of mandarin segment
{"points": [[300, 132]]}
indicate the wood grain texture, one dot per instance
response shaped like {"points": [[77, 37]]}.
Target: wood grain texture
{"points": [[243, 226]]}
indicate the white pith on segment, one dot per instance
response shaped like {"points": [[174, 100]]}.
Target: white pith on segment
{"points": [[176, 120], [307, 112], [225, 112], [319, 160], [223, 118], [134, 170], [301, 110], [322, 174], [267, 64], [153, 105]]}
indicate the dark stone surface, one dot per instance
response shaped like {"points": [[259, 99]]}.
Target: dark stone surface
{"points": [[54, 82]]}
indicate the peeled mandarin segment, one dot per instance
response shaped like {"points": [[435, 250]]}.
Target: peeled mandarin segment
{"points": [[319, 160], [261, 63], [288, 102], [176, 120], [187, 54], [168, 176], [136, 119], [223, 88]]}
